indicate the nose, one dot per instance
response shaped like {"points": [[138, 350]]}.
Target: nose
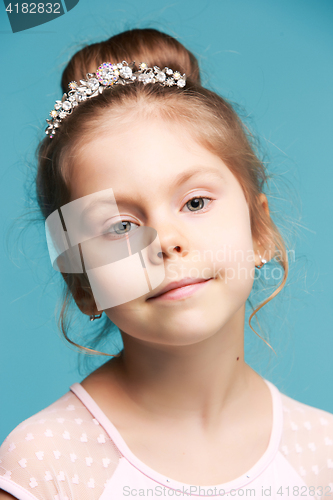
{"points": [[172, 240], [177, 248]]}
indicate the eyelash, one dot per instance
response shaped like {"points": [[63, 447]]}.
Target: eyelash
{"points": [[188, 201]]}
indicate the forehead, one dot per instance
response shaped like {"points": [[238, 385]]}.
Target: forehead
{"points": [[140, 156]]}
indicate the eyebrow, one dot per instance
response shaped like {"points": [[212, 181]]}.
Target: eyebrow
{"points": [[180, 179], [185, 176]]}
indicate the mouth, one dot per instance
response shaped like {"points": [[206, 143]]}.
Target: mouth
{"points": [[182, 289]]}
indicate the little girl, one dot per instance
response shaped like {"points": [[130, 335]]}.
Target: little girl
{"points": [[155, 216]]}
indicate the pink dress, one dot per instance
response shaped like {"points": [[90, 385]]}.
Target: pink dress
{"points": [[71, 451]]}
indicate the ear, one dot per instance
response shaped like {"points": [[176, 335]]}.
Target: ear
{"points": [[265, 246]]}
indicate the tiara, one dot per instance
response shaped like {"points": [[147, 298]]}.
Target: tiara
{"points": [[107, 75]]}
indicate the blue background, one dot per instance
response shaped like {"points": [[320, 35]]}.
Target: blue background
{"points": [[272, 57]]}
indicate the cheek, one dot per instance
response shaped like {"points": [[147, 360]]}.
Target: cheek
{"points": [[232, 247], [124, 270]]}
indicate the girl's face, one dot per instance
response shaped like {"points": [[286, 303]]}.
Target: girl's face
{"points": [[209, 237]]}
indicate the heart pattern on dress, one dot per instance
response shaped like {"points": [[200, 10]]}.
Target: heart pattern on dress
{"points": [[91, 483], [84, 438], [48, 476], [39, 455], [33, 483], [61, 476], [75, 479]]}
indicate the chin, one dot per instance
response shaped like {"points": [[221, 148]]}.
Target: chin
{"points": [[184, 335]]}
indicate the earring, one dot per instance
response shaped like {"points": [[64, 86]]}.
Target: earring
{"points": [[93, 317], [263, 262]]}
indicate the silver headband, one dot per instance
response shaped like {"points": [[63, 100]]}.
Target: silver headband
{"points": [[107, 75]]}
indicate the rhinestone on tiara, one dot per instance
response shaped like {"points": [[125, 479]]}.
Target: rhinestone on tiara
{"points": [[107, 75]]}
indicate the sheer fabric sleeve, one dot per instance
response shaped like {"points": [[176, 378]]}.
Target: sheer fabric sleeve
{"points": [[61, 453], [307, 443]]}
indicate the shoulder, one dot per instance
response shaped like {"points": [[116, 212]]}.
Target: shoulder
{"points": [[305, 416], [60, 448], [307, 441]]}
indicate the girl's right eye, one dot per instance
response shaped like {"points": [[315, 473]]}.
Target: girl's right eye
{"points": [[117, 230]]}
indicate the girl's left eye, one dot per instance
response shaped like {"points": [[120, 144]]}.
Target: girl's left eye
{"points": [[196, 199], [113, 231]]}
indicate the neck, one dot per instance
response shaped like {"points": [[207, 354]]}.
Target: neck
{"points": [[200, 381]]}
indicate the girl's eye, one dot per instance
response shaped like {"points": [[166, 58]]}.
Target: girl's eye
{"points": [[197, 202], [119, 228]]}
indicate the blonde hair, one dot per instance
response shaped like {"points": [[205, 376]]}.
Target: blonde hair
{"points": [[211, 119]]}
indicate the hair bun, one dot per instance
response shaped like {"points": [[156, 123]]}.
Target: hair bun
{"points": [[139, 45]]}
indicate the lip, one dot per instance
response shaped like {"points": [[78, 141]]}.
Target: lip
{"points": [[180, 289]]}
